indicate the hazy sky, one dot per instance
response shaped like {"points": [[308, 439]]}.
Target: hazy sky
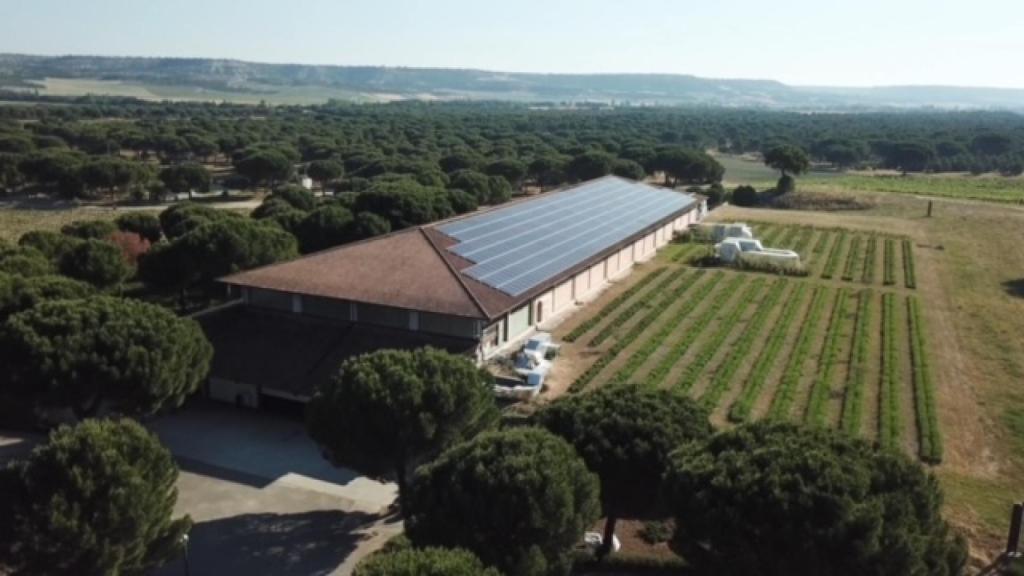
{"points": [[833, 42]]}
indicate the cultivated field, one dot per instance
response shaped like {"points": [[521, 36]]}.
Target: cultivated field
{"points": [[841, 348], [944, 315]]}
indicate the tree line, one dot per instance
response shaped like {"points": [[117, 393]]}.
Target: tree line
{"points": [[95, 146]]}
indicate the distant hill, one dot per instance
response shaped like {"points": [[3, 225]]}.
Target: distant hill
{"points": [[211, 79]]}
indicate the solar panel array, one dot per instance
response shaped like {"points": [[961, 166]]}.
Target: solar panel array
{"points": [[517, 248]]}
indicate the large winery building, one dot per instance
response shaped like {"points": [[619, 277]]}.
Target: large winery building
{"points": [[475, 284]]}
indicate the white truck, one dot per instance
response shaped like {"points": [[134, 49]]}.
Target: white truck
{"points": [[735, 250]]}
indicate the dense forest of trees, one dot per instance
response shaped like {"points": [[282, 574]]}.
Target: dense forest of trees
{"points": [[103, 146]]}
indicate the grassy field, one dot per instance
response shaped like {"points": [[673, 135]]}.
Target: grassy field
{"points": [[747, 170], [988, 188], [915, 340]]}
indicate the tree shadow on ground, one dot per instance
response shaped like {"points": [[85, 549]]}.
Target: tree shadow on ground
{"points": [[304, 544], [1015, 287]]}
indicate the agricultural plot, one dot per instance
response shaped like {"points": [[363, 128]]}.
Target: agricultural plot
{"points": [[846, 255], [848, 352]]}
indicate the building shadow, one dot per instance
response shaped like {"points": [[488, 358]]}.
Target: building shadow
{"points": [[307, 543], [1014, 287]]}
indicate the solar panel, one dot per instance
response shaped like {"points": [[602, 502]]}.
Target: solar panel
{"points": [[519, 247]]}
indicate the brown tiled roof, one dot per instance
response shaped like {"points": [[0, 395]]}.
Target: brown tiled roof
{"points": [[402, 270], [411, 269], [294, 353]]}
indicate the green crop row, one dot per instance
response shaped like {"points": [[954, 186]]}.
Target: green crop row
{"points": [[888, 394], [909, 275], [786, 392], [868, 273], [653, 343], [740, 409], [821, 387], [706, 352], [619, 320], [833, 257], [852, 258], [788, 239], [619, 300], [771, 235], [684, 251], [678, 350], [929, 437], [853, 402], [890, 262], [806, 233], [822, 242], [658, 308], [751, 332]]}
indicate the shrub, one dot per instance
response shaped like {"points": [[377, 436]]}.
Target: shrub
{"points": [[785, 185], [745, 196], [716, 194]]}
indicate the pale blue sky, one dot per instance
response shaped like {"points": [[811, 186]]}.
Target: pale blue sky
{"points": [[817, 42]]}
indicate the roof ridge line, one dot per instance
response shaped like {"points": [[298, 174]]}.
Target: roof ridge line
{"points": [[458, 275]]}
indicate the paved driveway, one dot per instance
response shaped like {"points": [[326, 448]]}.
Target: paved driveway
{"points": [[261, 498], [264, 501]]}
